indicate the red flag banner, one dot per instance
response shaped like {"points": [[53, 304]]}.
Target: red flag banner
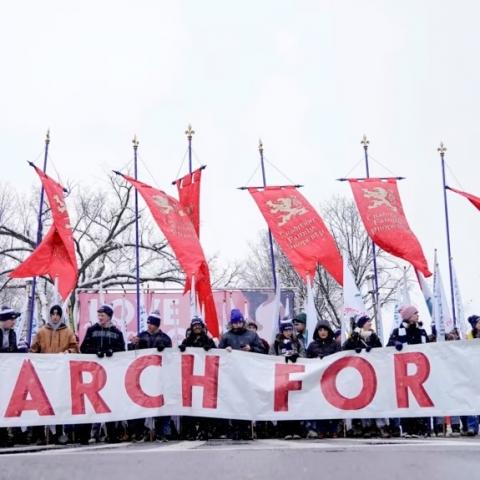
{"points": [[189, 196], [177, 227], [380, 207], [472, 198], [299, 231], [55, 255]]}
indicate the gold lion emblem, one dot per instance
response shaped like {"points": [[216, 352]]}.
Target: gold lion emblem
{"points": [[288, 207], [379, 197]]}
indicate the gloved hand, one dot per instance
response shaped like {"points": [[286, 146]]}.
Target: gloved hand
{"points": [[367, 349], [207, 347], [399, 346], [181, 347], [293, 357], [358, 350], [109, 353], [100, 354], [160, 348]]}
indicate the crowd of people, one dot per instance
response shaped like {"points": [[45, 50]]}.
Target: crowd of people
{"points": [[105, 339]]}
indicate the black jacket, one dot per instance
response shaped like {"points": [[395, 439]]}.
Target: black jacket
{"points": [[99, 339], [12, 342], [409, 334], [320, 348], [237, 338], [201, 341], [154, 340], [357, 341]]}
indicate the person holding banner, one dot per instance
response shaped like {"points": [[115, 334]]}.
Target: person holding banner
{"points": [[410, 332], [474, 321], [197, 428], [300, 324], [287, 345], [363, 337], [323, 344], [152, 337], [102, 339], [239, 338], [8, 344]]}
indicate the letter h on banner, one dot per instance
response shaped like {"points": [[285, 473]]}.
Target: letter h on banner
{"points": [[209, 381]]}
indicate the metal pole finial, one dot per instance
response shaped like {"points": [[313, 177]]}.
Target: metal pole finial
{"points": [[189, 132], [260, 145], [135, 142], [442, 149], [365, 142]]}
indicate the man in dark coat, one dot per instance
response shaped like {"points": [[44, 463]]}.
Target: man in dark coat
{"points": [[8, 344], [362, 337], [239, 338], [102, 339], [152, 337]]}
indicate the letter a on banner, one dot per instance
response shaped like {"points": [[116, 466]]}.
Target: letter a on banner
{"points": [[299, 231], [380, 207], [55, 256]]}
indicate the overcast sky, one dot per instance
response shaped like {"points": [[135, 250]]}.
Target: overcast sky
{"points": [[308, 77]]}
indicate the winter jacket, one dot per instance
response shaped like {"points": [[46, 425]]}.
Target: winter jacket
{"points": [[320, 348], [473, 334], [60, 340], [287, 346], [12, 341], [99, 339], [357, 340], [200, 341], [238, 338], [410, 334], [153, 340]]}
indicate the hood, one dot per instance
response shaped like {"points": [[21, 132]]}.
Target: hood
{"points": [[323, 324]]}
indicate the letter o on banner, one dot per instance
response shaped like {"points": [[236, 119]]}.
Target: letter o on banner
{"points": [[328, 384]]}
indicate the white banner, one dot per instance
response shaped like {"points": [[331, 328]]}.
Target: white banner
{"points": [[424, 380]]}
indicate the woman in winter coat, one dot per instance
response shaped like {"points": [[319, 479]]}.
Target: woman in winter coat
{"points": [[323, 344], [286, 344]]}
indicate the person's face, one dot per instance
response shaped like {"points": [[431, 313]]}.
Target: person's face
{"points": [[477, 325], [414, 318], [197, 329], [288, 333], [237, 325], [151, 328], [55, 317], [252, 327], [299, 327], [322, 333], [368, 325], [7, 324], [103, 318]]}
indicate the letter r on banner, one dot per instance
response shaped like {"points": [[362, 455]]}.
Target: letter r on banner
{"points": [[28, 384], [80, 390], [283, 385], [132, 382], [415, 382], [328, 384], [209, 381]]}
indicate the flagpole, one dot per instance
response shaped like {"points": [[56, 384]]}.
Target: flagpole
{"points": [[39, 239], [365, 142], [137, 235], [442, 149], [270, 239], [189, 132]]}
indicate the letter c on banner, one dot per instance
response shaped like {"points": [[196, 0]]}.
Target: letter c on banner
{"points": [[132, 381], [328, 384]]}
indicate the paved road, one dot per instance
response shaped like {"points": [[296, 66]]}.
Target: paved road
{"points": [[340, 459]]}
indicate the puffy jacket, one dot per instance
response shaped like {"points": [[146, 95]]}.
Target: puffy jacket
{"points": [[99, 339], [12, 341], [154, 340], [238, 338], [48, 340], [411, 334], [320, 348], [357, 340]]}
